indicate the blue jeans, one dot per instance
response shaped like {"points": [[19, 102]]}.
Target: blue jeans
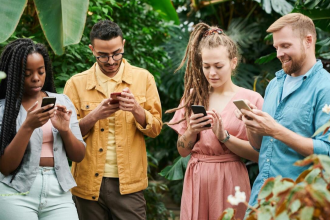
{"points": [[45, 201]]}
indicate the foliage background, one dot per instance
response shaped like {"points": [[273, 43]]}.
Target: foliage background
{"points": [[155, 43]]}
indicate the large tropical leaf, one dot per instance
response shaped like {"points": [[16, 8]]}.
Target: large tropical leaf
{"points": [[176, 171], [243, 33], [282, 7], [10, 14], [62, 21], [166, 9]]}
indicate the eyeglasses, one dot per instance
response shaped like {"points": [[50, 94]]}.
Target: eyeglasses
{"points": [[105, 58]]}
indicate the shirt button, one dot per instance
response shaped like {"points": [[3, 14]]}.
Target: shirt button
{"points": [[102, 129], [93, 197], [271, 140], [264, 179], [101, 149], [267, 160], [96, 174]]}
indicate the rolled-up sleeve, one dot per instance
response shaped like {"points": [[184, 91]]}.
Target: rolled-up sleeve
{"points": [[321, 142], [153, 111]]}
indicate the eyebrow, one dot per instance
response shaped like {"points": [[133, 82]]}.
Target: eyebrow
{"points": [[100, 52]]}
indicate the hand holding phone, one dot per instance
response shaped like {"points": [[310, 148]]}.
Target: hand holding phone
{"points": [[197, 109], [114, 96], [47, 101]]}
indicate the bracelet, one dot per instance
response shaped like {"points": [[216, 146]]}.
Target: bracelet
{"points": [[227, 138]]}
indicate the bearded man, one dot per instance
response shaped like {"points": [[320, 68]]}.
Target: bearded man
{"points": [[292, 111]]}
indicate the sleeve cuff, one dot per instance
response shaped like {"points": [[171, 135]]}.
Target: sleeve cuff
{"points": [[321, 147], [149, 119]]}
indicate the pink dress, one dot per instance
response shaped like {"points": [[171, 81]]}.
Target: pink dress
{"points": [[213, 171]]}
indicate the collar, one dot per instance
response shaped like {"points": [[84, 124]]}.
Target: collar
{"points": [[311, 72], [127, 76], [104, 78]]}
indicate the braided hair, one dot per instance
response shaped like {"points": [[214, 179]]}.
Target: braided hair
{"points": [[13, 61], [196, 86]]}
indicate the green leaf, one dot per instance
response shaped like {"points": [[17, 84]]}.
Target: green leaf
{"points": [[306, 213], [10, 14], [325, 162], [314, 14], [175, 171], [2, 75], [62, 21], [266, 59], [312, 175], [321, 129], [295, 205], [167, 10], [228, 214], [267, 189], [283, 216], [281, 186], [282, 7]]}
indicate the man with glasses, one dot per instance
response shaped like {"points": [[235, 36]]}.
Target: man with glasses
{"points": [[111, 178]]}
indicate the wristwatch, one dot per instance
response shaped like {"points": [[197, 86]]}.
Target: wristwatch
{"points": [[227, 137]]}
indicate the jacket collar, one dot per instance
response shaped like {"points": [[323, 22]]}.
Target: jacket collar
{"points": [[127, 76]]}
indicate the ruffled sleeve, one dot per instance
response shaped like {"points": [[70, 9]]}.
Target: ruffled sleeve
{"points": [[181, 127]]}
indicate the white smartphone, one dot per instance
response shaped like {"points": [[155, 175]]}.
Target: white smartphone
{"points": [[241, 104]]}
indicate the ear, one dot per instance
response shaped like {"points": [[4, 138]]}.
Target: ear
{"points": [[124, 43], [234, 63], [309, 40], [91, 47]]}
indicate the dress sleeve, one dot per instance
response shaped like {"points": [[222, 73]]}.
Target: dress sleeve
{"points": [[181, 127]]}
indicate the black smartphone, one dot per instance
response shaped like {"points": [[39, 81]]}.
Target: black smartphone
{"points": [[47, 101], [197, 109]]}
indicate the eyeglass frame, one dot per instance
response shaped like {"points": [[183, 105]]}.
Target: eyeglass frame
{"points": [[98, 57]]}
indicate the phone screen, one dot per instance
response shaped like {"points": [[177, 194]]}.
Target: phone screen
{"points": [[47, 101], [199, 109]]}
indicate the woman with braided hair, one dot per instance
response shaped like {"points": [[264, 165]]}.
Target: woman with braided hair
{"points": [[215, 166], [35, 141]]}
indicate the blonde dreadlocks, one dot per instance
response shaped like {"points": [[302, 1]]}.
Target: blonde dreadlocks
{"points": [[196, 86]]}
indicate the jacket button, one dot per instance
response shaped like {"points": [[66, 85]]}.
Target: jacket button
{"points": [[87, 106], [102, 129], [93, 197], [96, 174], [101, 149]]}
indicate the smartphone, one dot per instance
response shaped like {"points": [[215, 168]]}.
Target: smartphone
{"points": [[197, 109], [241, 104], [47, 101], [114, 96]]}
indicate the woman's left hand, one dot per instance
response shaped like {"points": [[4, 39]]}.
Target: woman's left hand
{"points": [[217, 127], [61, 119]]}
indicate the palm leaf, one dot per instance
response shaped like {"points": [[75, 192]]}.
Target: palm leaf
{"points": [[282, 7], [175, 171]]}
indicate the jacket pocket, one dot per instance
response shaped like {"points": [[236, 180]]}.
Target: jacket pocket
{"points": [[87, 107], [129, 116]]}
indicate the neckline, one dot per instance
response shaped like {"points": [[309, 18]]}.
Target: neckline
{"points": [[231, 99]]}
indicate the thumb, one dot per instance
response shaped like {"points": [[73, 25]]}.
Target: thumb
{"points": [[126, 90], [33, 107]]}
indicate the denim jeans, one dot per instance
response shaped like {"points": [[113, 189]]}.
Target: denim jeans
{"points": [[46, 200]]}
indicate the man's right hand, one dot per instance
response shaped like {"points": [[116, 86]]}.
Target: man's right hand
{"points": [[239, 114], [105, 109]]}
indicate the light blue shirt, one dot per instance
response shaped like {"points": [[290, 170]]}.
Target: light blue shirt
{"points": [[30, 162], [301, 112]]}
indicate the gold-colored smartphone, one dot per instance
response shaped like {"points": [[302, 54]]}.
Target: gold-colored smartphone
{"points": [[241, 104]]}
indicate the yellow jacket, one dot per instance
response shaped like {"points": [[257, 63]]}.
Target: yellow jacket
{"points": [[86, 95]]}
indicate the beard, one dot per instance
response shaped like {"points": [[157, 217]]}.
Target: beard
{"points": [[296, 64]]}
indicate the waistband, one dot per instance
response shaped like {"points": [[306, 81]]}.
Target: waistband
{"points": [[214, 159], [46, 170]]}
